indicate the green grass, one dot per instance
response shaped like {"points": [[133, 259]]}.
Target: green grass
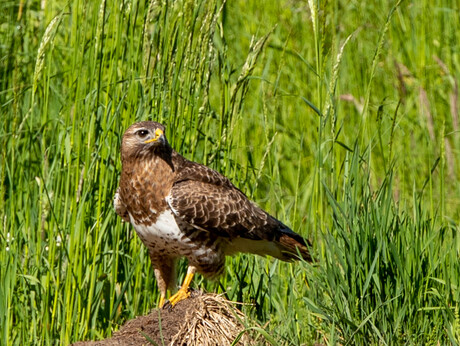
{"points": [[340, 118]]}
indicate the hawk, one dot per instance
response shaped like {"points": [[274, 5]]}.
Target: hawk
{"points": [[180, 208]]}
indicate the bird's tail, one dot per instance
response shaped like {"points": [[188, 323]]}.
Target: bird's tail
{"points": [[293, 246]]}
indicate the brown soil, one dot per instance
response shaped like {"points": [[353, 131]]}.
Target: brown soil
{"points": [[203, 319]]}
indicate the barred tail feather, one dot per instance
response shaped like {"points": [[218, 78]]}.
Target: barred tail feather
{"points": [[293, 249]]}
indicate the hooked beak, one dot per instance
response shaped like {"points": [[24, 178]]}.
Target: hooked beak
{"points": [[158, 134]]}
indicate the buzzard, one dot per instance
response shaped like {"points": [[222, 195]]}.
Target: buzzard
{"points": [[180, 208]]}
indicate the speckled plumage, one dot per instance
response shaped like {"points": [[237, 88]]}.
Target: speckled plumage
{"points": [[181, 208]]}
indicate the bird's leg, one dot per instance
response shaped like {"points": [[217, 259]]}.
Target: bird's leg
{"points": [[162, 285], [184, 291]]}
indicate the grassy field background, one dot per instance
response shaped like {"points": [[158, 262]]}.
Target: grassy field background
{"points": [[340, 118]]}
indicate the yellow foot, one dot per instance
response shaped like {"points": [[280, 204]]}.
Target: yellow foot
{"points": [[184, 291], [162, 302], [176, 298]]}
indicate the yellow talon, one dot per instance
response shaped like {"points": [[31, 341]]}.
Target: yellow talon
{"points": [[162, 302], [180, 295], [184, 291]]}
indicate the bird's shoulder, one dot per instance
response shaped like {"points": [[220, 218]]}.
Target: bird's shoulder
{"points": [[207, 199], [186, 170]]}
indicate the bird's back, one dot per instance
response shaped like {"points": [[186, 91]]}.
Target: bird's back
{"points": [[207, 200]]}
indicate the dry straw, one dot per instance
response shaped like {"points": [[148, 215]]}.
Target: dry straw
{"points": [[215, 321]]}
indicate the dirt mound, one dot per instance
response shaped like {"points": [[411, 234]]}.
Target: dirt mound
{"points": [[203, 319]]}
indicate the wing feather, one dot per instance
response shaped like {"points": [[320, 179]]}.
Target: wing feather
{"points": [[219, 209], [207, 200]]}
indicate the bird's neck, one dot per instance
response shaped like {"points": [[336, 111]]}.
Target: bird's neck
{"points": [[148, 169], [145, 184]]}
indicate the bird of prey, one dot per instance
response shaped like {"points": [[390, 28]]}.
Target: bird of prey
{"points": [[180, 208]]}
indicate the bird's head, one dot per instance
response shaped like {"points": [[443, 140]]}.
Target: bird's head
{"points": [[143, 139]]}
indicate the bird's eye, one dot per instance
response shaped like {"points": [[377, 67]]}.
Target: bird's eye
{"points": [[142, 133]]}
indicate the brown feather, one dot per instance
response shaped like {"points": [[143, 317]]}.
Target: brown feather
{"points": [[294, 247], [205, 215]]}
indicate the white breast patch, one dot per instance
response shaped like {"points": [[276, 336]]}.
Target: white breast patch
{"points": [[165, 226]]}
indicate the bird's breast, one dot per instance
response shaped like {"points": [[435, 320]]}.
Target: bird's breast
{"points": [[165, 235], [143, 188], [164, 230]]}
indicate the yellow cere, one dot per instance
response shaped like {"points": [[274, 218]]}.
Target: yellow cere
{"points": [[158, 134]]}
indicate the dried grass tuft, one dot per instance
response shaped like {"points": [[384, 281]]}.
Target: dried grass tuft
{"points": [[215, 321]]}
